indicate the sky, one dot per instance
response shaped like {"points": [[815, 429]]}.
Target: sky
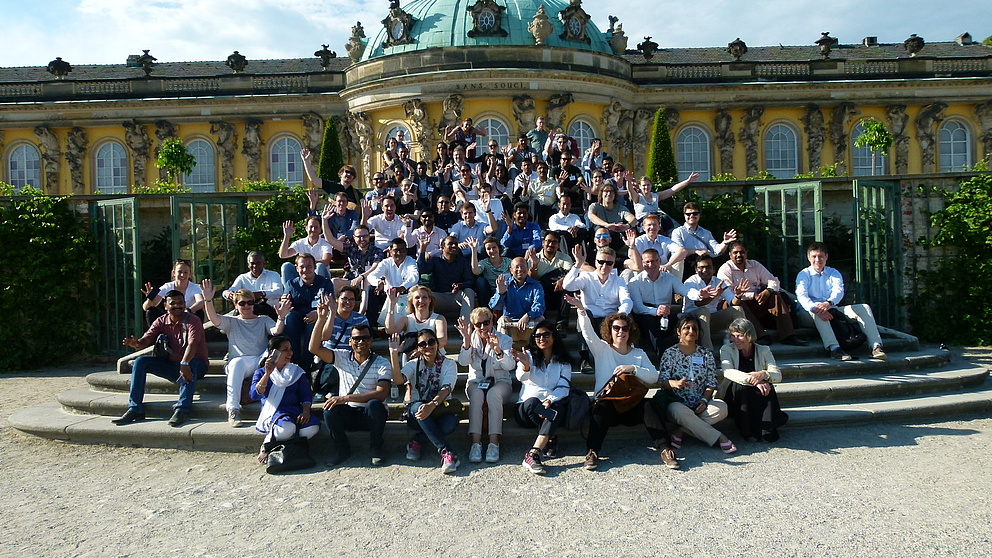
{"points": [[107, 31]]}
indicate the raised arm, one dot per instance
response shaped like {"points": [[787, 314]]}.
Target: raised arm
{"points": [[207, 286], [308, 168], [316, 347], [669, 192], [284, 250]]}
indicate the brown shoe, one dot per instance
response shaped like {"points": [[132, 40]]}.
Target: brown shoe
{"points": [[592, 461], [668, 457]]}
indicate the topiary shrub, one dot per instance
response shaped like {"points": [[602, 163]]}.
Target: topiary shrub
{"points": [[661, 158], [331, 159]]}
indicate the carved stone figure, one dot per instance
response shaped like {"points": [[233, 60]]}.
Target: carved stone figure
{"points": [[556, 109], [251, 147], [815, 135], [416, 113], [451, 113], [147, 62], [344, 137], [897, 117], [362, 130], [673, 117], [643, 119], [75, 152], [749, 137], [163, 130], [928, 117], [838, 132], [227, 143], [723, 123], [984, 113], [1, 141], [525, 113], [625, 132], [355, 46], [50, 155], [325, 56], [737, 48], [237, 62], [618, 41], [313, 134], [137, 139], [540, 27], [611, 124]]}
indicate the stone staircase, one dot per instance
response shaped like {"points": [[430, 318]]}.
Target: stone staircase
{"points": [[915, 384]]}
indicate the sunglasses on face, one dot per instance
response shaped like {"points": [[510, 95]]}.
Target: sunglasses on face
{"points": [[482, 323], [602, 236], [361, 338], [608, 263], [246, 303], [542, 335], [427, 343], [619, 328], [691, 213]]}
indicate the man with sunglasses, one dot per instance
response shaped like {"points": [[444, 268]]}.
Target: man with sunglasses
{"points": [[395, 274], [433, 234], [363, 379], [549, 266], [715, 312], [445, 217], [336, 334], [691, 241], [570, 180], [378, 194], [346, 185], [603, 291], [521, 299]]}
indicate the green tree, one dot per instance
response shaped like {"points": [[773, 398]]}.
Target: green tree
{"points": [[175, 159], [661, 158], [876, 138], [265, 219], [331, 159]]}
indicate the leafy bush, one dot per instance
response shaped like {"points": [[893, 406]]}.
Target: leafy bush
{"points": [[952, 301], [724, 177], [258, 185], [163, 187], [45, 270], [265, 219]]}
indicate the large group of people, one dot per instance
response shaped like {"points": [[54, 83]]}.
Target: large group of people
{"points": [[506, 245]]}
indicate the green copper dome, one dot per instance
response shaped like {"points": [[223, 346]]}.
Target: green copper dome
{"points": [[447, 23]]}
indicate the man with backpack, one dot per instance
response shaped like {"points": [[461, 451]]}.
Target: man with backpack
{"points": [[820, 290]]}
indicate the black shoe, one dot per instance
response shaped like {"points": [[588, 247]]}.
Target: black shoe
{"points": [[342, 455], [839, 354], [179, 418], [128, 417], [551, 449], [795, 341]]}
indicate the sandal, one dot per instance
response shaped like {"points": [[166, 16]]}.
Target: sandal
{"points": [[676, 441], [728, 447], [669, 458]]}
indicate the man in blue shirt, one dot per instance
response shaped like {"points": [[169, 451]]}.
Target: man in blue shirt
{"points": [[522, 301], [520, 234], [304, 292]]}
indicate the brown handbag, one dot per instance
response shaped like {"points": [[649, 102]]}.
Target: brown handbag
{"points": [[624, 390]]}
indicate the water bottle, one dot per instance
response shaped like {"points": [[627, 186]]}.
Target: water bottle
{"points": [[664, 323], [401, 306], [394, 393]]}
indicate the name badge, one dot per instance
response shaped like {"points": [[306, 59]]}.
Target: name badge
{"points": [[314, 303], [697, 360]]}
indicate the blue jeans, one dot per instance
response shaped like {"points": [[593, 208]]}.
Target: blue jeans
{"points": [[435, 427], [166, 369]]}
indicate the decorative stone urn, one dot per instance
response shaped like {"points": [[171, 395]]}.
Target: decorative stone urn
{"points": [[59, 68], [618, 41], [540, 27], [737, 48], [325, 56], [826, 42], [913, 44]]}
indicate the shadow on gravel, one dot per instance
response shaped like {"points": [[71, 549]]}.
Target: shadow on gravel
{"points": [[880, 435], [65, 371]]}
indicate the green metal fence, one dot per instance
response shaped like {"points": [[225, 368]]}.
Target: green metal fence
{"points": [[118, 296], [878, 249], [796, 211]]}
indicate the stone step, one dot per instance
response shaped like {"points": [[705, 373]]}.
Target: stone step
{"points": [[50, 420]]}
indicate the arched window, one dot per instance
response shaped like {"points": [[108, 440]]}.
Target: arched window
{"points": [[24, 167], [111, 169], [692, 148], [496, 130], [406, 137], [861, 157], [582, 132], [204, 175], [954, 143], [781, 151], [284, 161]]}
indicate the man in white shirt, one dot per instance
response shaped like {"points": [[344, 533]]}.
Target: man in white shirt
{"points": [[486, 202], [571, 225], [434, 235], [691, 241], [715, 312], [387, 226], [263, 283], [312, 244], [395, 274], [603, 291], [521, 182], [652, 292], [819, 289], [541, 194]]}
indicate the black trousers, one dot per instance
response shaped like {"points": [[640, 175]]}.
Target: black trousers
{"points": [[371, 418], [527, 417], [604, 416]]}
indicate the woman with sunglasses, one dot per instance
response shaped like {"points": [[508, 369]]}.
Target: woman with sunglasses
{"points": [[430, 380], [690, 371], [614, 352], [181, 281], [749, 370], [420, 315], [545, 373], [486, 352], [247, 335]]}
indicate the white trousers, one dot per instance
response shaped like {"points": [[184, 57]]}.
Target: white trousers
{"points": [[699, 425], [496, 396], [237, 369]]}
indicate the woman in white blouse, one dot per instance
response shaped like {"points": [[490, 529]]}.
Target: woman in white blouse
{"points": [[545, 373], [486, 353], [749, 370]]}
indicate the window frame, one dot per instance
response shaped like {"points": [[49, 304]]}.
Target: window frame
{"points": [[704, 174], [201, 188], [780, 172]]}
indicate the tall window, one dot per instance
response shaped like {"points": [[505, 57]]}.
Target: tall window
{"points": [[692, 147], [781, 151], [406, 136], [285, 163], [204, 175], [24, 167], [861, 157], [582, 132], [111, 169], [954, 141], [494, 130]]}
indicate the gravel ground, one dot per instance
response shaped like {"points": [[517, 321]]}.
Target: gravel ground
{"points": [[897, 490]]}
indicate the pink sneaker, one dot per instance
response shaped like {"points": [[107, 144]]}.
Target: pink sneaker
{"points": [[449, 462], [413, 451]]}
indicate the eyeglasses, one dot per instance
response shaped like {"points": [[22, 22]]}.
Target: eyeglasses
{"points": [[619, 328], [542, 335], [483, 323], [428, 343], [347, 300], [377, 179], [349, 173], [357, 236], [246, 303], [691, 213], [608, 263], [466, 169], [361, 338]]}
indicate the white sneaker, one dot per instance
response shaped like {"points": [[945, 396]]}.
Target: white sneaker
{"points": [[492, 453], [475, 453], [234, 418]]}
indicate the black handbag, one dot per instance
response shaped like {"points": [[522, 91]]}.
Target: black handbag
{"points": [[848, 332], [289, 455], [577, 406]]}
